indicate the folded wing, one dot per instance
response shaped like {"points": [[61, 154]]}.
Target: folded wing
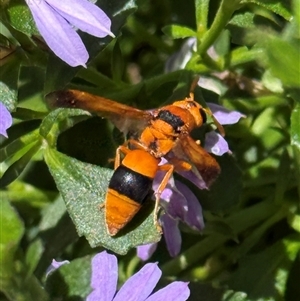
{"points": [[124, 117], [206, 164]]}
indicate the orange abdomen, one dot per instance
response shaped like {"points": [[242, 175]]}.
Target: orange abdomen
{"points": [[126, 193], [119, 210]]}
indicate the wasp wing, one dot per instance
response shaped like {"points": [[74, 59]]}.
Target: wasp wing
{"points": [[124, 117], [207, 165]]}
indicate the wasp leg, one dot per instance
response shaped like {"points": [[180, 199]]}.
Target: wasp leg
{"points": [[124, 150], [121, 150], [169, 171]]}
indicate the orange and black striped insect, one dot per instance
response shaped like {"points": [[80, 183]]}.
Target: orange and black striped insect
{"points": [[157, 133], [130, 185]]}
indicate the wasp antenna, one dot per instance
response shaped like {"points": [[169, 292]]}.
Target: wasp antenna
{"points": [[192, 96], [216, 122], [194, 84], [219, 125]]}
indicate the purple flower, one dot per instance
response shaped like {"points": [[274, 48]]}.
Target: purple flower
{"points": [[55, 265], [179, 204], [56, 21], [214, 142], [137, 288], [5, 120], [223, 115], [144, 252]]}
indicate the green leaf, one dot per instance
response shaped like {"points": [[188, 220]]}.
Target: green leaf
{"points": [[117, 63], [272, 83], [243, 55], [33, 255], [294, 222], [243, 19], [21, 19], [9, 82], [295, 126], [235, 296], [18, 166], [19, 129], [16, 145], [178, 31], [83, 187], [197, 65], [222, 44], [265, 128], [52, 214], [285, 67], [52, 124], [278, 7], [246, 27], [97, 79], [26, 194], [12, 230], [292, 245], [4, 44], [70, 280], [28, 114], [296, 9]]}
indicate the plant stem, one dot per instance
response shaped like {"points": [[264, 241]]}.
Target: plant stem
{"points": [[224, 14], [201, 7]]}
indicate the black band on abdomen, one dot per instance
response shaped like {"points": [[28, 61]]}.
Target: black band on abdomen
{"points": [[131, 184], [174, 121]]}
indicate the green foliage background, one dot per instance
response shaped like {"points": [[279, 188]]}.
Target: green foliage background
{"points": [[248, 52]]}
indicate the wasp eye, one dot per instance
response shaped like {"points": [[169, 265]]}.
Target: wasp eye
{"points": [[203, 115]]}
